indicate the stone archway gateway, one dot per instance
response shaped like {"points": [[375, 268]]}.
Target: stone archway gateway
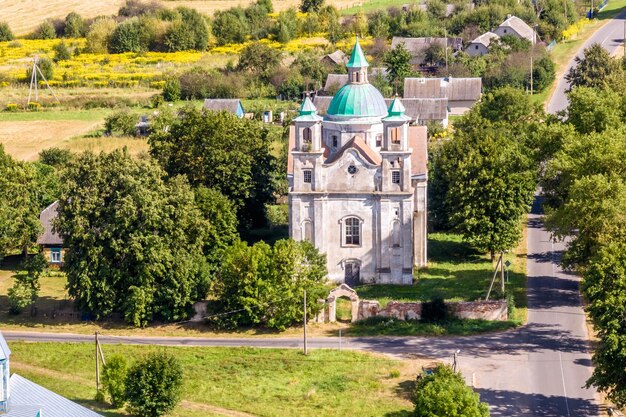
{"points": [[342, 291]]}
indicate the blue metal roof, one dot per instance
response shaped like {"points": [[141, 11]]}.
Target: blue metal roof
{"points": [[27, 399]]}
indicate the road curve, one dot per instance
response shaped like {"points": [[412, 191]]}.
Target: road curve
{"points": [[610, 36], [536, 370]]}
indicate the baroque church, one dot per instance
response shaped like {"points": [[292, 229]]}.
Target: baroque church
{"points": [[357, 183]]}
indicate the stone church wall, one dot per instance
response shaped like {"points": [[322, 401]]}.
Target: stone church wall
{"points": [[496, 310]]}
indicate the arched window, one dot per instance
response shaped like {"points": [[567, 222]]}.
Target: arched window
{"points": [[356, 74], [352, 234], [306, 135], [335, 142]]}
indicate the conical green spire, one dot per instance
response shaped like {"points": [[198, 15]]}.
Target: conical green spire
{"points": [[357, 59], [307, 107], [396, 108]]}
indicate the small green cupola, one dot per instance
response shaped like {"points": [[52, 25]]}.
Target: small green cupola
{"points": [[396, 112], [357, 65], [308, 111]]}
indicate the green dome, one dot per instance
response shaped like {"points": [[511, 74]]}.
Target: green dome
{"points": [[357, 100]]}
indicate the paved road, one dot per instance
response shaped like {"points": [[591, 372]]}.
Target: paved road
{"points": [[610, 36], [537, 370]]}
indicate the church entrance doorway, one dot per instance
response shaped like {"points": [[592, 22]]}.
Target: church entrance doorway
{"points": [[352, 274]]}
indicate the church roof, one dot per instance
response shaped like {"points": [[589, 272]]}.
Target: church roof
{"points": [[418, 142], [357, 143], [357, 59], [5, 352], [358, 100]]}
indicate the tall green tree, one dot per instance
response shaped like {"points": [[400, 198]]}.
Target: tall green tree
{"points": [[593, 68], [265, 285], [444, 393], [259, 59], [604, 287], [595, 110], [223, 152], [135, 240], [19, 207], [154, 385], [487, 173], [398, 63], [230, 26], [74, 26]]}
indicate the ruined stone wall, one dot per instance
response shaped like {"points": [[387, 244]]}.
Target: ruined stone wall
{"points": [[486, 310]]}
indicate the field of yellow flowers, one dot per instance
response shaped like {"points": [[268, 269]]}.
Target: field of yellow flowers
{"points": [[147, 69]]}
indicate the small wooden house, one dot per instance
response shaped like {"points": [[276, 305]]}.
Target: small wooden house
{"points": [[50, 241]]}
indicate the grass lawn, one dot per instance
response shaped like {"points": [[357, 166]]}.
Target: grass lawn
{"points": [[263, 382], [455, 272]]}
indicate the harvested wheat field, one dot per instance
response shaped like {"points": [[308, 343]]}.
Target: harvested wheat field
{"points": [[25, 139], [23, 16]]}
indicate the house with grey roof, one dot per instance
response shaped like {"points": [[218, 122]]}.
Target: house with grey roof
{"points": [[337, 58], [417, 47], [480, 45], [231, 105], [20, 397], [462, 93], [50, 241], [514, 26]]}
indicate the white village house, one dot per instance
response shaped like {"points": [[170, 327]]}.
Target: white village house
{"points": [[357, 183]]}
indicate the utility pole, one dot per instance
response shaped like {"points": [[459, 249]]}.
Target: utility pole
{"points": [[97, 364], [305, 346], [446, 35], [531, 73], [502, 270]]}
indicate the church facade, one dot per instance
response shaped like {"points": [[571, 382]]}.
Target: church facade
{"points": [[357, 183]]}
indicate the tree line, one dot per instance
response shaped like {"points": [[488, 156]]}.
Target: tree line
{"points": [[146, 238], [584, 184]]}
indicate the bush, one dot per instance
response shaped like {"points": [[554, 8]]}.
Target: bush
{"points": [[444, 393], [153, 385], [435, 311], [127, 37], [99, 35], [114, 379], [171, 89], [45, 31], [11, 107], [5, 32], [121, 122], [20, 296], [61, 52], [230, 26], [55, 157], [74, 26]]}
